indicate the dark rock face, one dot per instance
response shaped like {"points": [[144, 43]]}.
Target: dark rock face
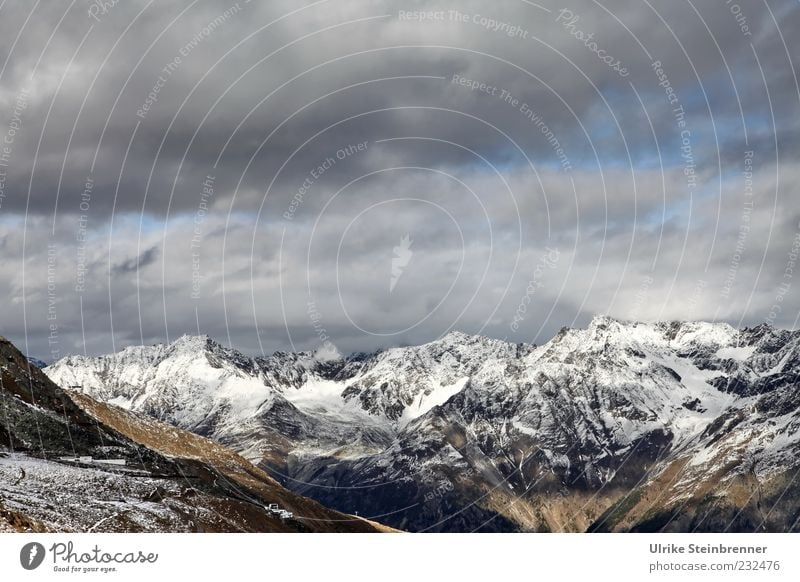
{"points": [[38, 415]]}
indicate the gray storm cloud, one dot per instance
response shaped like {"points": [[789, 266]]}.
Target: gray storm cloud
{"points": [[248, 169]]}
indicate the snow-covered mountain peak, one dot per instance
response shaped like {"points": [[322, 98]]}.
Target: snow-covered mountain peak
{"points": [[185, 381], [188, 342], [615, 402], [605, 334], [601, 321], [700, 333], [455, 337], [458, 341]]}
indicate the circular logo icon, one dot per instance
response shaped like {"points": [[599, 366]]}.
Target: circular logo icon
{"points": [[31, 555]]}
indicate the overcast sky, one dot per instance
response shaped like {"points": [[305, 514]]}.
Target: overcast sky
{"points": [[376, 173]]}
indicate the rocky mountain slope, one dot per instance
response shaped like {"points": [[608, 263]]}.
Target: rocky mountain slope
{"points": [[621, 426], [70, 463]]}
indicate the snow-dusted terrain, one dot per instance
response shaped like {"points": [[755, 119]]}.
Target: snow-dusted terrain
{"points": [[71, 463], [73, 498], [468, 432]]}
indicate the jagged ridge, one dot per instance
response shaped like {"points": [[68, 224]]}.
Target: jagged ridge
{"points": [[471, 432], [169, 479]]}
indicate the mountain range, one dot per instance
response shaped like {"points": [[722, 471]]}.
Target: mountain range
{"points": [[622, 426], [69, 463]]}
